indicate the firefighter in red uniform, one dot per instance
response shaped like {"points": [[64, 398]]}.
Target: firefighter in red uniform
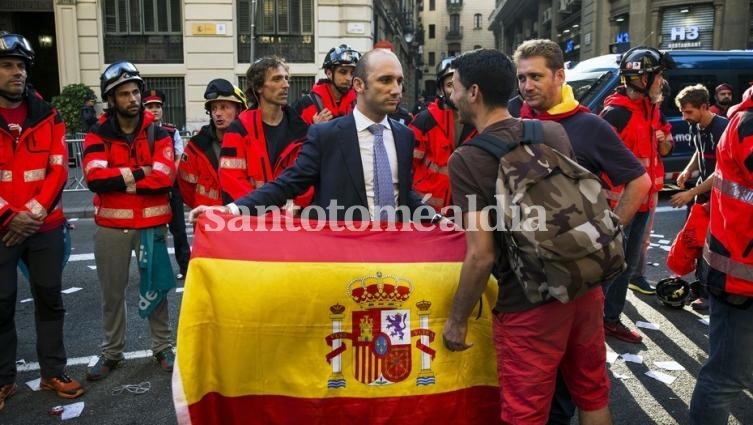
{"points": [[33, 172], [333, 96], [266, 138], [154, 101], [728, 271], [129, 165], [198, 176], [632, 111], [438, 132]]}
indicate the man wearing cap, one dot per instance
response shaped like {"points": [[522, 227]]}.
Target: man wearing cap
{"points": [[266, 138], [198, 168], [130, 166], [723, 97], [438, 132], [333, 96], [33, 172], [154, 100]]}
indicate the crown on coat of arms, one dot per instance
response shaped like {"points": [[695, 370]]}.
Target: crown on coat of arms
{"points": [[380, 291]]}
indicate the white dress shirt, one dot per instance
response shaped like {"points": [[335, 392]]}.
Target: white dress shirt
{"points": [[366, 146]]}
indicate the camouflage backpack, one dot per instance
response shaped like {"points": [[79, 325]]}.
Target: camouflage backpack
{"points": [[561, 236]]}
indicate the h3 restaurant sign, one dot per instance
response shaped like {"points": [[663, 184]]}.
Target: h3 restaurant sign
{"points": [[688, 28]]}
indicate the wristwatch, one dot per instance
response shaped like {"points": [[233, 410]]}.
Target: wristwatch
{"points": [[437, 218]]}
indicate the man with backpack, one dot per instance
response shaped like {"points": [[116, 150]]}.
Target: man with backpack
{"points": [[546, 96], [552, 330], [129, 164]]}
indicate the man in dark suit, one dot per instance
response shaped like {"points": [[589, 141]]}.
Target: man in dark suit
{"points": [[346, 159]]}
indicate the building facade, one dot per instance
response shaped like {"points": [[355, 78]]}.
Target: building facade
{"points": [[588, 28], [450, 28], [180, 45]]}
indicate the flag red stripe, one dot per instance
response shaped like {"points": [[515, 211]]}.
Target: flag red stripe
{"points": [[471, 406], [365, 246]]}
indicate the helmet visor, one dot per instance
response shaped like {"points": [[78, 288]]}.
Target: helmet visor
{"points": [[339, 57], [120, 69], [11, 42]]}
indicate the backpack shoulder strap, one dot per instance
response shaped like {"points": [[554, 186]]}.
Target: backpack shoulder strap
{"points": [[493, 145], [316, 101], [533, 131], [150, 137]]}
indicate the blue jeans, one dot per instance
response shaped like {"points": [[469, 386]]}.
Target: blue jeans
{"points": [[729, 369], [616, 291]]}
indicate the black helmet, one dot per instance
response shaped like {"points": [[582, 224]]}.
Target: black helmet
{"points": [[118, 73], [444, 69], [642, 60], [672, 292], [16, 45], [221, 89], [341, 55]]}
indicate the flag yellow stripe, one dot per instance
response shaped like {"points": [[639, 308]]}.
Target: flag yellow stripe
{"points": [[259, 328]]}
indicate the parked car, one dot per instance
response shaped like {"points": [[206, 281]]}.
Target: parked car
{"points": [[594, 79]]}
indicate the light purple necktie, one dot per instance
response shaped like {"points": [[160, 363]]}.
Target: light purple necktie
{"points": [[384, 194]]}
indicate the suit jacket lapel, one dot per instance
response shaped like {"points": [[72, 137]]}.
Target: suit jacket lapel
{"points": [[404, 152], [352, 155]]}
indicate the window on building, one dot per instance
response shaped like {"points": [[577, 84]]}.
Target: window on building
{"points": [[432, 31], [143, 31], [174, 109], [432, 58], [432, 5], [420, 5], [283, 27], [477, 21], [455, 22], [453, 49], [297, 85]]}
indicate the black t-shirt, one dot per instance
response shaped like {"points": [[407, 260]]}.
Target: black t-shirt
{"points": [[705, 141], [277, 139]]}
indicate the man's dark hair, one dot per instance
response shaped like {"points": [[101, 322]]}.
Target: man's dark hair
{"points": [[694, 96], [491, 70], [257, 72]]}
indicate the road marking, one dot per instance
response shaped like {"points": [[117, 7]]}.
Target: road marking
{"points": [[29, 367]]}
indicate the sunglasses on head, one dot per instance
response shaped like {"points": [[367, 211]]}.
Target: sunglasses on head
{"points": [[15, 41], [215, 94], [347, 56], [120, 69]]}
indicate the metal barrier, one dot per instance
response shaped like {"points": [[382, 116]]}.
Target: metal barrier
{"points": [[76, 178]]}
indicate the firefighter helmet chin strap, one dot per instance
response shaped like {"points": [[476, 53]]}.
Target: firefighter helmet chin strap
{"points": [[642, 90]]}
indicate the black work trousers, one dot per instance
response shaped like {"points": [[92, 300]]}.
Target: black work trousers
{"points": [[43, 253]]}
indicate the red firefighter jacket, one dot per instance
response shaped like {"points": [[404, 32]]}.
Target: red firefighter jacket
{"points": [[127, 194], [728, 251], [244, 159], [33, 165], [636, 122], [307, 108], [198, 177], [434, 130]]}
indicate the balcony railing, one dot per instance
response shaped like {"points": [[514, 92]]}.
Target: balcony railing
{"points": [[453, 33], [294, 48], [454, 6]]}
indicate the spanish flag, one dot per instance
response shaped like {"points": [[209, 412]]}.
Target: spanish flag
{"points": [[281, 325]]}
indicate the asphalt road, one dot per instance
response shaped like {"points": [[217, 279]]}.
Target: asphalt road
{"points": [[635, 399]]}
